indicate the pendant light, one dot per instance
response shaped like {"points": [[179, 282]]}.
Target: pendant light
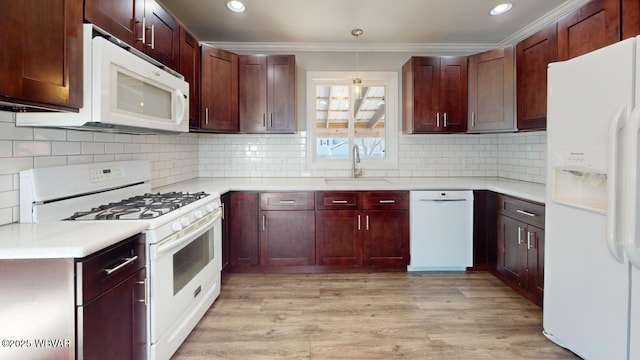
{"points": [[357, 83]]}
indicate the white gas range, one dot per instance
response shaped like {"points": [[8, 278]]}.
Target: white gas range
{"points": [[183, 235]]}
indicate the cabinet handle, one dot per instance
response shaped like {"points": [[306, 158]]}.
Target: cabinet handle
{"points": [[339, 202], [530, 240], [445, 119], [146, 292], [271, 115], [473, 119], [437, 119], [222, 211], [359, 227], [520, 240], [367, 222], [264, 120], [386, 202], [126, 262], [287, 202], [144, 31], [264, 222], [153, 36], [526, 213], [206, 116]]}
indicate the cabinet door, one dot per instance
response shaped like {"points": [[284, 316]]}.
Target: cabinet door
{"points": [[114, 324], [338, 237], [281, 92], [118, 18], [163, 35], [491, 90], [630, 20], [219, 90], [512, 251], [244, 229], [421, 94], [42, 53], [190, 69], [226, 232], [386, 238], [535, 262], [592, 26], [532, 57], [453, 95], [287, 237], [252, 76]]}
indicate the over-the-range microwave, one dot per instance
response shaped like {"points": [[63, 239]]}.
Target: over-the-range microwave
{"points": [[123, 92]]}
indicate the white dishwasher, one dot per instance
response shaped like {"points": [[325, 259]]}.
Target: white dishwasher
{"points": [[441, 230]]}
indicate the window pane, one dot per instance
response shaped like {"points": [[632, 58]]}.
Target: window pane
{"points": [[370, 116], [332, 121]]}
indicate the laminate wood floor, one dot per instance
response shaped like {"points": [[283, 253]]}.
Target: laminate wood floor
{"points": [[369, 316]]}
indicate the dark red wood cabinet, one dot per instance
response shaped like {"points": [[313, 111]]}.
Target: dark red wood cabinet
{"points": [[226, 232], [219, 91], [243, 229], [434, 92], [592, 26], [520, 241], [190, 69], [41, 66], [267, 93], [630, 20]]}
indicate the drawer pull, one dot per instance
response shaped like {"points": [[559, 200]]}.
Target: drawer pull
{"points": [[526, 213], [387, 202], [520, 240], [287, 202], [126, 262], [339, 202]]}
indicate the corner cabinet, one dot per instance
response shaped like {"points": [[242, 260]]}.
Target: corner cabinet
{"points": [[219, 91], [434, 95], [492, 91], [520, 233], [533, 55], [42, 62], [267, 93]]}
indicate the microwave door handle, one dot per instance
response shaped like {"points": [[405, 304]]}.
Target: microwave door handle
{"points": [[632, 245], [182, 104], [618, 122]]}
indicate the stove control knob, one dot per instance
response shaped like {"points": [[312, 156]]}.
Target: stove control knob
{"points": [[185, 222], [176, 226], [198, 214], [210, 208]]}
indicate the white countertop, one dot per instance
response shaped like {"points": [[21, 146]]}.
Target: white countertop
{"points": [[522, 189], [62, 239], [66, 239]]}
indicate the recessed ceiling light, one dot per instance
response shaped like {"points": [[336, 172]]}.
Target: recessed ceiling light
{"points": [[501, 9], [235, 6]]}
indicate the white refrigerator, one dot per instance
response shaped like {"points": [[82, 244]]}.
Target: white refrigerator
{"points": [[592, 247]]}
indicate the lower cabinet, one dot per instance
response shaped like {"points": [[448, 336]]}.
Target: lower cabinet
{"points": [[520, 238], [243, 229]]}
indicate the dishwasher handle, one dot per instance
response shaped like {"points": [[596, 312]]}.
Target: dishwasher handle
{"points": [[443, 200]]}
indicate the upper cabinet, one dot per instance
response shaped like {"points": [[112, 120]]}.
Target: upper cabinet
{"points": [[219, 90], [144, 24], [267, 93], [42, 46], [532, 57], [592, 26], [190, 69], [492, 91], [630, 20], [434, 92]]}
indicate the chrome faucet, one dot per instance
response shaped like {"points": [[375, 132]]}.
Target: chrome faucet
{"points": [[355, 159]]}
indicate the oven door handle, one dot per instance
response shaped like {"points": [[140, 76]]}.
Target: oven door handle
{"points": [[174, 242]]}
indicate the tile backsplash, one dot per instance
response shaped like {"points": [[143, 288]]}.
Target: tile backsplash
{"points": [[175, 158]]}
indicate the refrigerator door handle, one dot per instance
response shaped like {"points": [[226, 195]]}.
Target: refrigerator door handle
{"points": [[632, 246], [618, 122]]}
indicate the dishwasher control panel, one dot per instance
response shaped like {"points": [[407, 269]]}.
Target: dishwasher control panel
{"points": [[454, 195]]}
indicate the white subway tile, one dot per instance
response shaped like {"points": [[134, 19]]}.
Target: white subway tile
{"points": [[6, 215], [79, 159], [65, 148], [8, 131], [89, 148], [6, 183], [49, 134], [31, 148], [77, 135], [6, 148], [47, 161]]}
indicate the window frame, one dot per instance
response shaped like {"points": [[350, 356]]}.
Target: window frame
{"points": [[392, 118]]}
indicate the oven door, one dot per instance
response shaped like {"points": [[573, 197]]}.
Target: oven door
{"points": [[184, 282]]}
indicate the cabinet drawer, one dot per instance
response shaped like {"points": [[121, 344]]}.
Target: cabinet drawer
{"points": [[523, 210], [386, 200], [287, 201], [105, 269], [338, 200]]}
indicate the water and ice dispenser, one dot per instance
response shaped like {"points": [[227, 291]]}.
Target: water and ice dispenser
{"points": [[580, 178]]}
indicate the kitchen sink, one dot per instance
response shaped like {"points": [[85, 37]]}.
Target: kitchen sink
{"points": [[351, 181]]}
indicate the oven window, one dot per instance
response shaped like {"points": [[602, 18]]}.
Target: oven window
{"points": [[189, 261]]}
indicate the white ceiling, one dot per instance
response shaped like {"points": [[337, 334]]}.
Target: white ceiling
{"points": [[389, 25]]}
